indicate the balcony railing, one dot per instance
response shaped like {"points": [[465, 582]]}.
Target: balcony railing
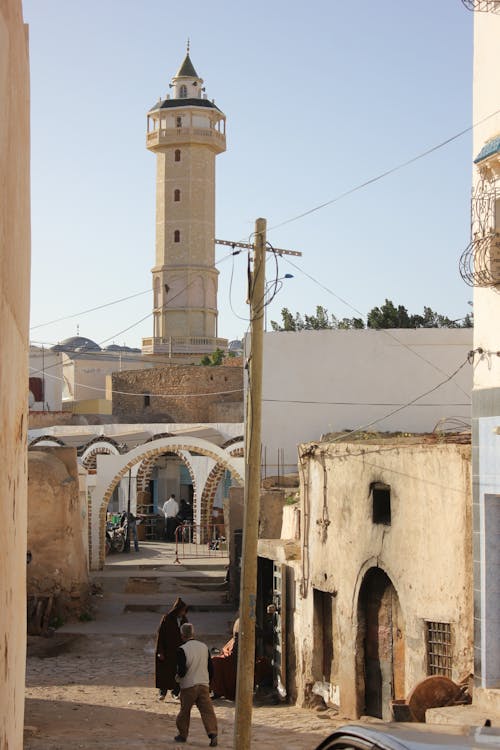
{"points": [[482, 6], [182, 345], [175, 135]]}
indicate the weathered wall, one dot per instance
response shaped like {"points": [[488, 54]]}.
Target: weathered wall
{"points": [[316, 382], [180, 382], [425, 551], [57, 527], [14, 320]]}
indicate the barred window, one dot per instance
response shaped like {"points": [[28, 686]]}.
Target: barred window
{"points": [[439, 648]]}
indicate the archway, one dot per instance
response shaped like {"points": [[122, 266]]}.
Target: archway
{"points": [[380, 647], [113, 468], [95, 448], [48, 440], [208, 494]]}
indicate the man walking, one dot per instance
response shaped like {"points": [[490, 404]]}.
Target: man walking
{"points": [[194, 669]]}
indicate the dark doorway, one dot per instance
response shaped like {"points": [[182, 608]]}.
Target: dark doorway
{"points": [[380, 646], [323, 636]]}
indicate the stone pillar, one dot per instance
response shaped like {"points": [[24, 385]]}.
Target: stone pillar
{"points": [[14, 322]]}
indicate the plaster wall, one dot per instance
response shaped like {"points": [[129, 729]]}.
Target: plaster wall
{"points": [[315, 382], [47, 365], [14, 321], [85, 376], [57, 524], [426, 552], [486, 82]]}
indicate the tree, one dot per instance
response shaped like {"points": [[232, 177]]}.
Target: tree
{"points": [[213, 360], [322, 320]]}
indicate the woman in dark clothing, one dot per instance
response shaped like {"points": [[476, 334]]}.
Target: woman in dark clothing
{"points": [[167, 642]]}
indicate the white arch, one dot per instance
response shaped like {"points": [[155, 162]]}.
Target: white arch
{"points": [[111, 468], [97, 447]]}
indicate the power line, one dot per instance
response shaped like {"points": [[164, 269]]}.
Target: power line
{"points": [[386, 173], [349, 403], [92, 309]]}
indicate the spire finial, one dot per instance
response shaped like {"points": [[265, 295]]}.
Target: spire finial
{"points": [[187, 46]]}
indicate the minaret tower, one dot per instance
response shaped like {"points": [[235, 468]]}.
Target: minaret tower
{"points": [[186, 131]]}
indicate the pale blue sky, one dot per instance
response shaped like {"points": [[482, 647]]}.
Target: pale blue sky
{"points": [[319, 97]]}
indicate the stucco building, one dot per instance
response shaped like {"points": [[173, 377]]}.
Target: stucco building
{"points": [[481, 267], [372, 576], [14, 322], [186, 131]]}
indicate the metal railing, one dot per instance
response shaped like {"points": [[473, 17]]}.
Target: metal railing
{"points": [[196, 540]]}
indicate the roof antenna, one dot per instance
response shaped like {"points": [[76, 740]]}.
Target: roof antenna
{"points": [[77, 329], [187, 46]]}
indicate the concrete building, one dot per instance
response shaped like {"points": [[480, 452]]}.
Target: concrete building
{"points": [[316, 382], [186, 131], [14, 322], [372, 575], [481, 267]]}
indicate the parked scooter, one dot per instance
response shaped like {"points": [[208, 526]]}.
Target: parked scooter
{"points": [[115, 538]]}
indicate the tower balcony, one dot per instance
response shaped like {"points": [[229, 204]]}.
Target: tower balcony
{"points": [[158, 139], [173, 345]]}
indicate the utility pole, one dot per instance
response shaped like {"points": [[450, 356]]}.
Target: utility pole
{"points": [[248, 586]]}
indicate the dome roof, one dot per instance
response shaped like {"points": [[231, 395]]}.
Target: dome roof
{"points": [[77, 344]]}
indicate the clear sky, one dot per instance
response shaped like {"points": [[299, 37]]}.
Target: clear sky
{"points": [[319, 97]]}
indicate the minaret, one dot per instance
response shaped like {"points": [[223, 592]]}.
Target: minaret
{"points": [[186, 131]]}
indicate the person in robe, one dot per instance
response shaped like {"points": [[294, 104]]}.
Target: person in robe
{"points": [[167, 642]]}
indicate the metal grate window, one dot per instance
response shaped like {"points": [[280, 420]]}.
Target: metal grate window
{"points": [[439, 652]]}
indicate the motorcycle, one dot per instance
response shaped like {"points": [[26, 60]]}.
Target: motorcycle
{"points": [[115, 538]]}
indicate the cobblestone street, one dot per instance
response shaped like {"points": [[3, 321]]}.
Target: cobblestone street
{"points": [[92, 684]]}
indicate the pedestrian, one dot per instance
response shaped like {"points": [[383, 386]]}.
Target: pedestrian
{"points": [[194, 670], [167, 642], [170, 511], [128, 522]]}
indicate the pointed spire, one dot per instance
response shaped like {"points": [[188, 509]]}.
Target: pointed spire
{"points": [[187, 67]]}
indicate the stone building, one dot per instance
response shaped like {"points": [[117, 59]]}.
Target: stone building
{"points": [[178, 393], [186, 131], [14, 322], [372, 576], [57, 530]]}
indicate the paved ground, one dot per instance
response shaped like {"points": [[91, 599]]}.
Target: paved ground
{"points": [[91, 684]]}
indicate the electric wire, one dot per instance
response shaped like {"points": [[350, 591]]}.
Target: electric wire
{"points": [[92, 309], [386, 173]]}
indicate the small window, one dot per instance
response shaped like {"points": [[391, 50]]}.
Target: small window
{"points": [[183, 92], [439, 648], [36, 388], [177, 236], [147, 400], [177, 154], [381, 503], [177, 195], [178, 122]]}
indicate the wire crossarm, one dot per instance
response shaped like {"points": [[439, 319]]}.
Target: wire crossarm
{"points": [[249, 246]]}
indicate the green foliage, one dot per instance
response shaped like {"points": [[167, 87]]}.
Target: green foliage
{"points": [[213, 360], [322, 320], [385, 316]]}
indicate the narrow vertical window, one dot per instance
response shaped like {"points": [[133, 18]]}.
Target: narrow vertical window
{"points": [[178, 121], [147, 400], [439, 648], [177, 154], [177, 236], [177, 195], [381, 503], [183, 92]]}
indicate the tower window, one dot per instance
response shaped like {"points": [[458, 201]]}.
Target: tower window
{"points": [[177, 235], [177, 154], [381, 503], [177, 195], [147, 400], [178, 122], [183, 92]]}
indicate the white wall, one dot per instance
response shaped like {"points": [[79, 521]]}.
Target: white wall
{"points": [[355, 377], [47, 365]]}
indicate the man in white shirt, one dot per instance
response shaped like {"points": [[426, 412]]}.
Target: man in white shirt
{"points": [[194, 670], [170, 511]]}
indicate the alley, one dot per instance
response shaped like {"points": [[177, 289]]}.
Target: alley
{"points": [[92, 683]]}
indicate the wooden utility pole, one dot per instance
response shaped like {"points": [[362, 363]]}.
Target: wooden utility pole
{"points": [[248, 587]]}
